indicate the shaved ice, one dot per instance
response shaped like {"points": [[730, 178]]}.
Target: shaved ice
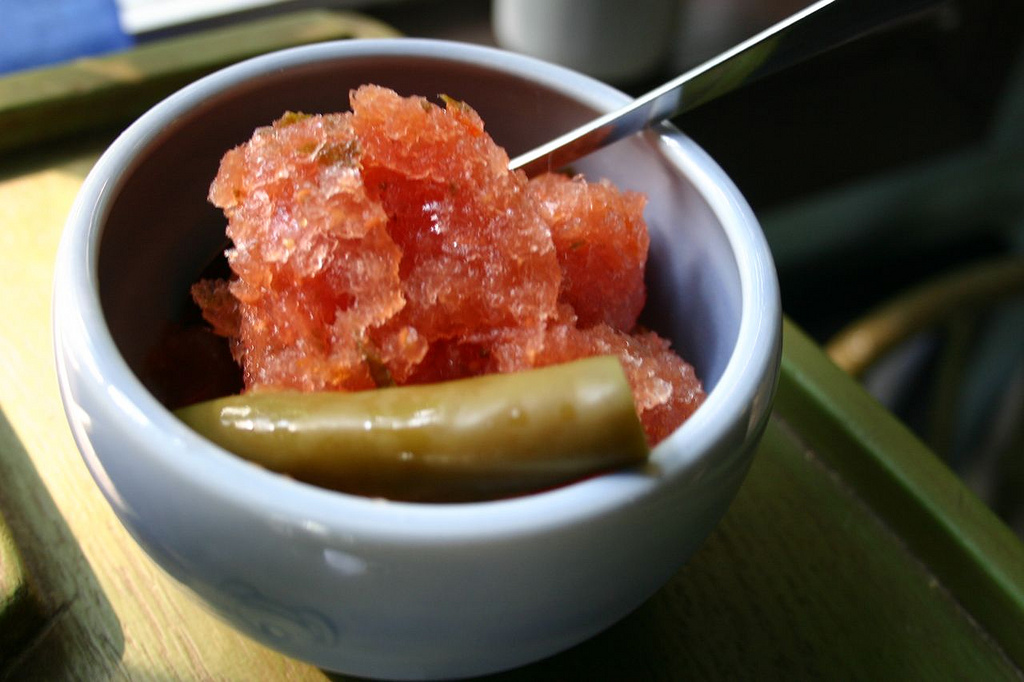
{"points": [[391, 245]]}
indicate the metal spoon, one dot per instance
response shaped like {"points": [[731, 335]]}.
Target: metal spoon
{"points": [[815, 29]]}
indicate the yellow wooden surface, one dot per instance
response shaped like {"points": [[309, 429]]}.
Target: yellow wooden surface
{"points": [[111, 613]]}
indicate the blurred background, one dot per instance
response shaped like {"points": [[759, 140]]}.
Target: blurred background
{"points": [[888, 173]]}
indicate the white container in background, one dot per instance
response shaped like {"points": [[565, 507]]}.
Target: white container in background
{"points": [[614, 40]]}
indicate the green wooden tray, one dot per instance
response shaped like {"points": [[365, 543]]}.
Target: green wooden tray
{"points": [[21, 614]]}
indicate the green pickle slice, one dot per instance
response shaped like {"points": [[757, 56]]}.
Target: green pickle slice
{"points": [[479, 438]]}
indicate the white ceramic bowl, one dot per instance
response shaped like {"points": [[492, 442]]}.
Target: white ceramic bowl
{"points": [[385, 589]]}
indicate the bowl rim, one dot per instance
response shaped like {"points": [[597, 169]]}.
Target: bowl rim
{"points": [[76, 305]]}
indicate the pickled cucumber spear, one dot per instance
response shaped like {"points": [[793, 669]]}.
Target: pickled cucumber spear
{"points": [[469, 439]]}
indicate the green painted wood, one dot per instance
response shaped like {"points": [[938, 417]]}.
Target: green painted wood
{"points": [[21, 616], [88, 93], [970, 551]]}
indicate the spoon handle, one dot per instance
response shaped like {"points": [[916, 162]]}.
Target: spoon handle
{"points": [[818, 27]]}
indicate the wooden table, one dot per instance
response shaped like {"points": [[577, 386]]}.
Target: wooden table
{"points": [[849, 553]]}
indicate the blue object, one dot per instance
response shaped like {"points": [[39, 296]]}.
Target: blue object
{"points": [[40, 32]]}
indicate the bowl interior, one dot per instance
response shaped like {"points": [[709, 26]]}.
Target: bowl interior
{"points": [[160, 232]]}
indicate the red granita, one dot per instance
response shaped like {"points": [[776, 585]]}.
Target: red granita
{"points": [[601, 240], [390, 244]]}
